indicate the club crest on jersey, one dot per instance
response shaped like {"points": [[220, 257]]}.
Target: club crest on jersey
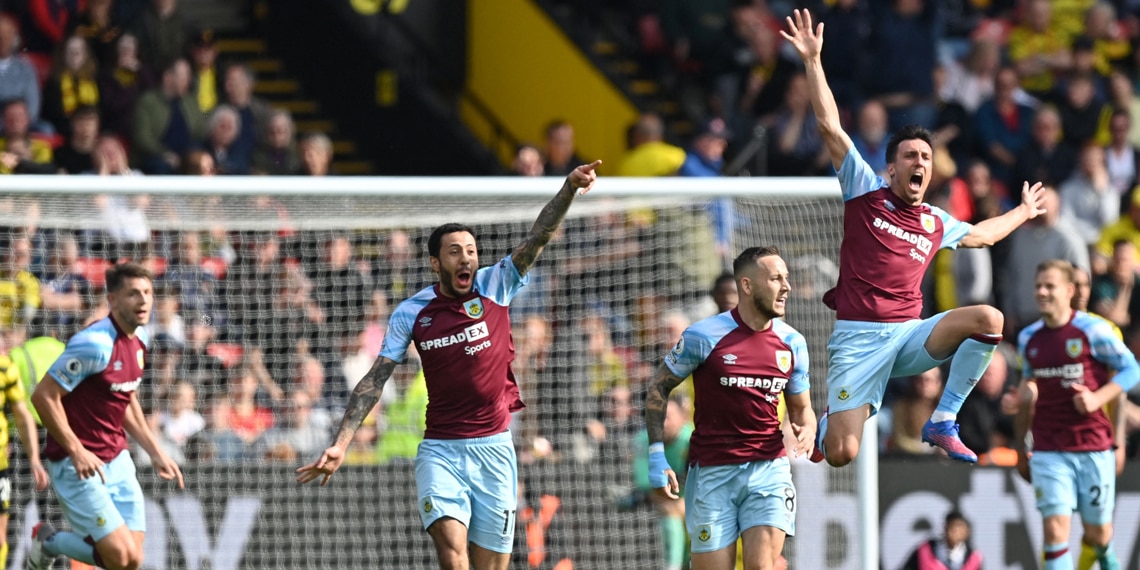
{"points": [[928, 223], [1074, 347], [142, 359], [680, 347], [784, 360], [474, 308]]}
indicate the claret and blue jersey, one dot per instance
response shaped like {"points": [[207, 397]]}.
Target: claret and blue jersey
{"points": [[738, 375], [101, 368], [887, 247], [1083, 351], [466, 348]]}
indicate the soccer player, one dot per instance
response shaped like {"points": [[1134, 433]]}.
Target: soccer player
{"points": [[12, 397], [466, 469], [889, 239], [88, 403], [1077, 365], [740, 481]]}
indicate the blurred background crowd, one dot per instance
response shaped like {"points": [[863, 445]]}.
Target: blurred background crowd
{"points": [[260, 335]]}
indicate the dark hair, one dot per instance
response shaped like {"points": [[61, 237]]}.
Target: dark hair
{"points": [[1120, 242], [747, 259], [85, 112], [955, 516], [436, 238], [725, 277], [907, 133], [554, 126], [117, 274]]}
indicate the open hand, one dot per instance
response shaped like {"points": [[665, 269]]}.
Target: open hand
{"points": [[1033, 199], [807, 42]]}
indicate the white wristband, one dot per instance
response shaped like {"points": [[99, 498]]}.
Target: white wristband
{"points": [[659, 446]]}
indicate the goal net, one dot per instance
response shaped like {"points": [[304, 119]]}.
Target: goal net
{"points": [[272, 298]]}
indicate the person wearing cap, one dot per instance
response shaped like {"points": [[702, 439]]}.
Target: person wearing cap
{"points": [[203, 57], [706, 155]]}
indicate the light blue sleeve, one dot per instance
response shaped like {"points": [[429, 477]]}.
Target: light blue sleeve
{"points": [[143, 336], [1111, 351], [856, 177], [800, 380], [399, 333], [87, 353], [500, 282], [689, 353], [1022, 341], [953, 229]]}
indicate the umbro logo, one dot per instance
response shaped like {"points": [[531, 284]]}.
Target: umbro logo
{"points": [[888, 205], [1032, 352], [730, 359], [425, 322], [118, 365]]}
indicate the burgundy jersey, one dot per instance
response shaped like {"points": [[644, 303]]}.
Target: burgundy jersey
{"points": [[738, 375], [466, 349], [887, 246], [101, 368], [1083, 351]]}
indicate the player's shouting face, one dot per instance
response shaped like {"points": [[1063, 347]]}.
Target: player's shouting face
{"points": [[458, 259], [768, 286], [131, 303], [910, 171]]}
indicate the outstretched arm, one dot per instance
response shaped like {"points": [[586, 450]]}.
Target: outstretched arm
{"points": [[364, 398], [580, 181], [993, 230], [661, 476], [809, 42]]}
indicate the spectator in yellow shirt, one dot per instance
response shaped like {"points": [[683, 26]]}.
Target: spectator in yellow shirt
{"points": [[649, 154], [19, 289]]}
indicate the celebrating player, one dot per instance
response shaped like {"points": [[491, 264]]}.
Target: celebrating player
{"points": [[740, 480], [85, 405], [466, 470], [889, 239], [1069, 356]]}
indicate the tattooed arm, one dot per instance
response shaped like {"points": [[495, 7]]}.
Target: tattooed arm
{"points": [[364, 398], [656, 402], [578, 182]]}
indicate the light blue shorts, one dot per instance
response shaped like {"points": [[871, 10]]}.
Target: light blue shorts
{"points": [[94, 509], [1067, 481], [723, 501], [863, 356], [474, 481]]}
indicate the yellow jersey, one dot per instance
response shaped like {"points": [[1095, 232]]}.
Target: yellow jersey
{"points": [[11, 390]]}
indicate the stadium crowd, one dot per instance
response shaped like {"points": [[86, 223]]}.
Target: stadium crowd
{"points": [[259, 336]]}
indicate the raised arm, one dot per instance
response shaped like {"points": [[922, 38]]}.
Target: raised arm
{"points": [[580, 181], [364, 398], [809, 43], [661, 476], [993, 230]]}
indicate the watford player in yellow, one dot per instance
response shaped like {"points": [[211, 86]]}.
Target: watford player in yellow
{"points": [[12, 398]]}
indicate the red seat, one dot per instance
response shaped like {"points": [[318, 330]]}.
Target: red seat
{"points": [[215, 265], [229, 354], [93, 268]]}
